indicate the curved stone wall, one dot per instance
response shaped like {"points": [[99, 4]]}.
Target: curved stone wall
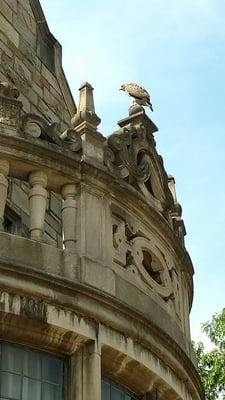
{"points": [[93, 265], [115, 295]]}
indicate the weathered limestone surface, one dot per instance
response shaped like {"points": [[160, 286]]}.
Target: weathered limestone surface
{"points": [[93, 264]]}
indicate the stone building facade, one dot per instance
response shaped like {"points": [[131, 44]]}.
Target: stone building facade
{"points": [[96, 285]]}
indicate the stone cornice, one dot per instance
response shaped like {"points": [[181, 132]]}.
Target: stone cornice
{"points": [[25, 155]]}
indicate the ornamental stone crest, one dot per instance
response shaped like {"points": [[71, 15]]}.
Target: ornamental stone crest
{"points": [[130, 154], [127, 153]]}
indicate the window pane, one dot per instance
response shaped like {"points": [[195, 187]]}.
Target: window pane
{"points": [[105, 391], [29, 375], [31, 389], [116, 394], [51, 392], [52, 370], [12, 359], [10, 385], [32, 365]]}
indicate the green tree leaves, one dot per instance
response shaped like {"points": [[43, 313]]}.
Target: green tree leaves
{"points": [[211, 365]]}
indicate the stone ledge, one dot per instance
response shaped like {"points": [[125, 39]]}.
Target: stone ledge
{"points": [[45, 266]]}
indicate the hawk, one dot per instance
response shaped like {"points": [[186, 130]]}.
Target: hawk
{"points": [[138, 94]]}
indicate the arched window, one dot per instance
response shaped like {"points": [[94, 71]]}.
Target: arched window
{"points": [[26, 374]]}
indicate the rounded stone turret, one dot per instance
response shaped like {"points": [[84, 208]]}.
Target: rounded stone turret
{"points": [[96, 283]]}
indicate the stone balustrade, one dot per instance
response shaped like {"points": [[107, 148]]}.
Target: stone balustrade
{"points": [[37, 195]]}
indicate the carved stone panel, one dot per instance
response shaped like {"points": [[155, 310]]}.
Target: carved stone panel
{"points": [[136, 252]]}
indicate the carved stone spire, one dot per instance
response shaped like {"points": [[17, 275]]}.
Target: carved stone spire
{"points": [[85, 123], [86, 116]]}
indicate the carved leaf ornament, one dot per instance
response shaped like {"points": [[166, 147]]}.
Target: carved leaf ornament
{"points": [[126, 153]]}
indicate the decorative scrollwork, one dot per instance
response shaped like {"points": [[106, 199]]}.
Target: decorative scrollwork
{"points": [[127, 153], [10, 108], [134, 251], [35, 126]]}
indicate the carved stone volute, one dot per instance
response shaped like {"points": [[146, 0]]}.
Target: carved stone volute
{"points": [[35, 126]]}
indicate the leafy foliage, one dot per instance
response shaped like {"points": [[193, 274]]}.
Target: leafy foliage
{"points": [[211, 364]]}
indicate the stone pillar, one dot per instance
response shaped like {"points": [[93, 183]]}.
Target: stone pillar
{"points": [[38, 201], [4, 170], [85, 377], [69, 215], [92, 375]]}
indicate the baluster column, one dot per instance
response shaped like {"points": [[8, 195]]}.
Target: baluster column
{"points": [[38, 201], [4, 171], [69, 192]]}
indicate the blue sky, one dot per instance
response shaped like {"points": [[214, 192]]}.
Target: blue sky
{"points": [[176, 49]]}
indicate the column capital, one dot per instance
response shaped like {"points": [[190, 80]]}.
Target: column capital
{"points": [[38, 178], [69, 190]]}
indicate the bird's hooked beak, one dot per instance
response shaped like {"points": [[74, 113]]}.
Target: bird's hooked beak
{"points": [[121, 88]]}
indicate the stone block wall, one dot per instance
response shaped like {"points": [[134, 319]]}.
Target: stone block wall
{"points": [[30, 59]]}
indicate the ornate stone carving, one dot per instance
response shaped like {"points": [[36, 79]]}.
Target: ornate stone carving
{"points": [[8, 90], [35, 126], [135, 252], [10, 108], [127, 153], [130, 154]]}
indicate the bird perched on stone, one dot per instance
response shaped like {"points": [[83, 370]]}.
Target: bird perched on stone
{"points": [[138, 94]]}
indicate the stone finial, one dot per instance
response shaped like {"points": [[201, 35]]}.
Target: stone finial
{"points": [[86, 116]]}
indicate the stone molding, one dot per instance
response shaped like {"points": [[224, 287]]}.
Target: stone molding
{"points": [[31, 319]]}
